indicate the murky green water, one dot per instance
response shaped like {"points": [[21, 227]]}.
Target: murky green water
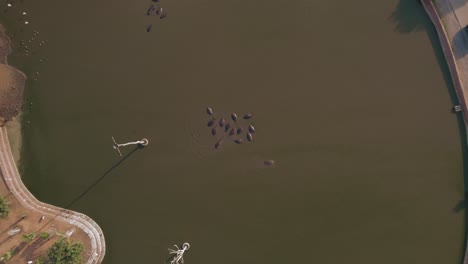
{"points": [[349, 100]]}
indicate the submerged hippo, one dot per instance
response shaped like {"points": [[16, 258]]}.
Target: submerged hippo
{"points": [[249, 137], [238, 140], [148, 28], [150, 10], [226, 128], [211, 122], [248, 116], [222, 121], [163, 14], [234, 117], [218, 144], [213, 131]]}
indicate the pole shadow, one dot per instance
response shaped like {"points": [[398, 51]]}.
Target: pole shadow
{"points": [[96, 182], [410, 17], [87, 190]]}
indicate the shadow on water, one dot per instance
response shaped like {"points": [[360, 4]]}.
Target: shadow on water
{"points": [[460, 39], [410, 17], [459, 206], [81, 195]]}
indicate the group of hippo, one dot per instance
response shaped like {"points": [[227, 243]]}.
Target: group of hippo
{"points": [[232, 130], [156, 10]]}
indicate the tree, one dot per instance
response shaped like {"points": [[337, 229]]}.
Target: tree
{"points": [[4, 209], [65, 252]]}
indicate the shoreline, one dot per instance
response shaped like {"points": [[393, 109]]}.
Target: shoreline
{"points": [[14, 183], [451, 60], [12, 95]]}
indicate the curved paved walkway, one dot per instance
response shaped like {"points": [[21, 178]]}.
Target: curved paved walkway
{"points": [[15, 185]]}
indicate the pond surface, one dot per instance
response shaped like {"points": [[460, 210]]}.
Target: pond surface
{"points": [[349, 98]]}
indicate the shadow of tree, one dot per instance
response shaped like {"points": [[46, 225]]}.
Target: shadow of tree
{"points": [[459, 206], [409, 16]]}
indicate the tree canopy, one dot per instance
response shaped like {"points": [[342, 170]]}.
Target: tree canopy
{"points": [[65, 252]]}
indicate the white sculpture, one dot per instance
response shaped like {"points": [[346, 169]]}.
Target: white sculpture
{"points": [[179, 253], [143, 142]]}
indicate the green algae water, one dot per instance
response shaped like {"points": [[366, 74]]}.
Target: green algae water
{"points": [[351, 100]]}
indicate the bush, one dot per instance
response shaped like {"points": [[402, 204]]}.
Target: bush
{"points": [[5, 258], [4, 209], [65, 252], [29, 237], [44, 235]]}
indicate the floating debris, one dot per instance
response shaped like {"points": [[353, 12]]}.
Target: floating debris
{"points": [[209, 110], [211, 122], [248, 116], [251, 129], [222, 121], [238, 140], [249, 137], [240, 130], [218, 144], [213, 131], [269, 162]]}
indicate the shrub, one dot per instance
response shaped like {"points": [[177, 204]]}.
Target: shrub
{"points": [[4, 209], [44, 235], [29, 237]]}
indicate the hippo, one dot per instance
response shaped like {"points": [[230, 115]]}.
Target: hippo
{"points": [[248, 116], [222, 121], [249, 137], [234, 117]]}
